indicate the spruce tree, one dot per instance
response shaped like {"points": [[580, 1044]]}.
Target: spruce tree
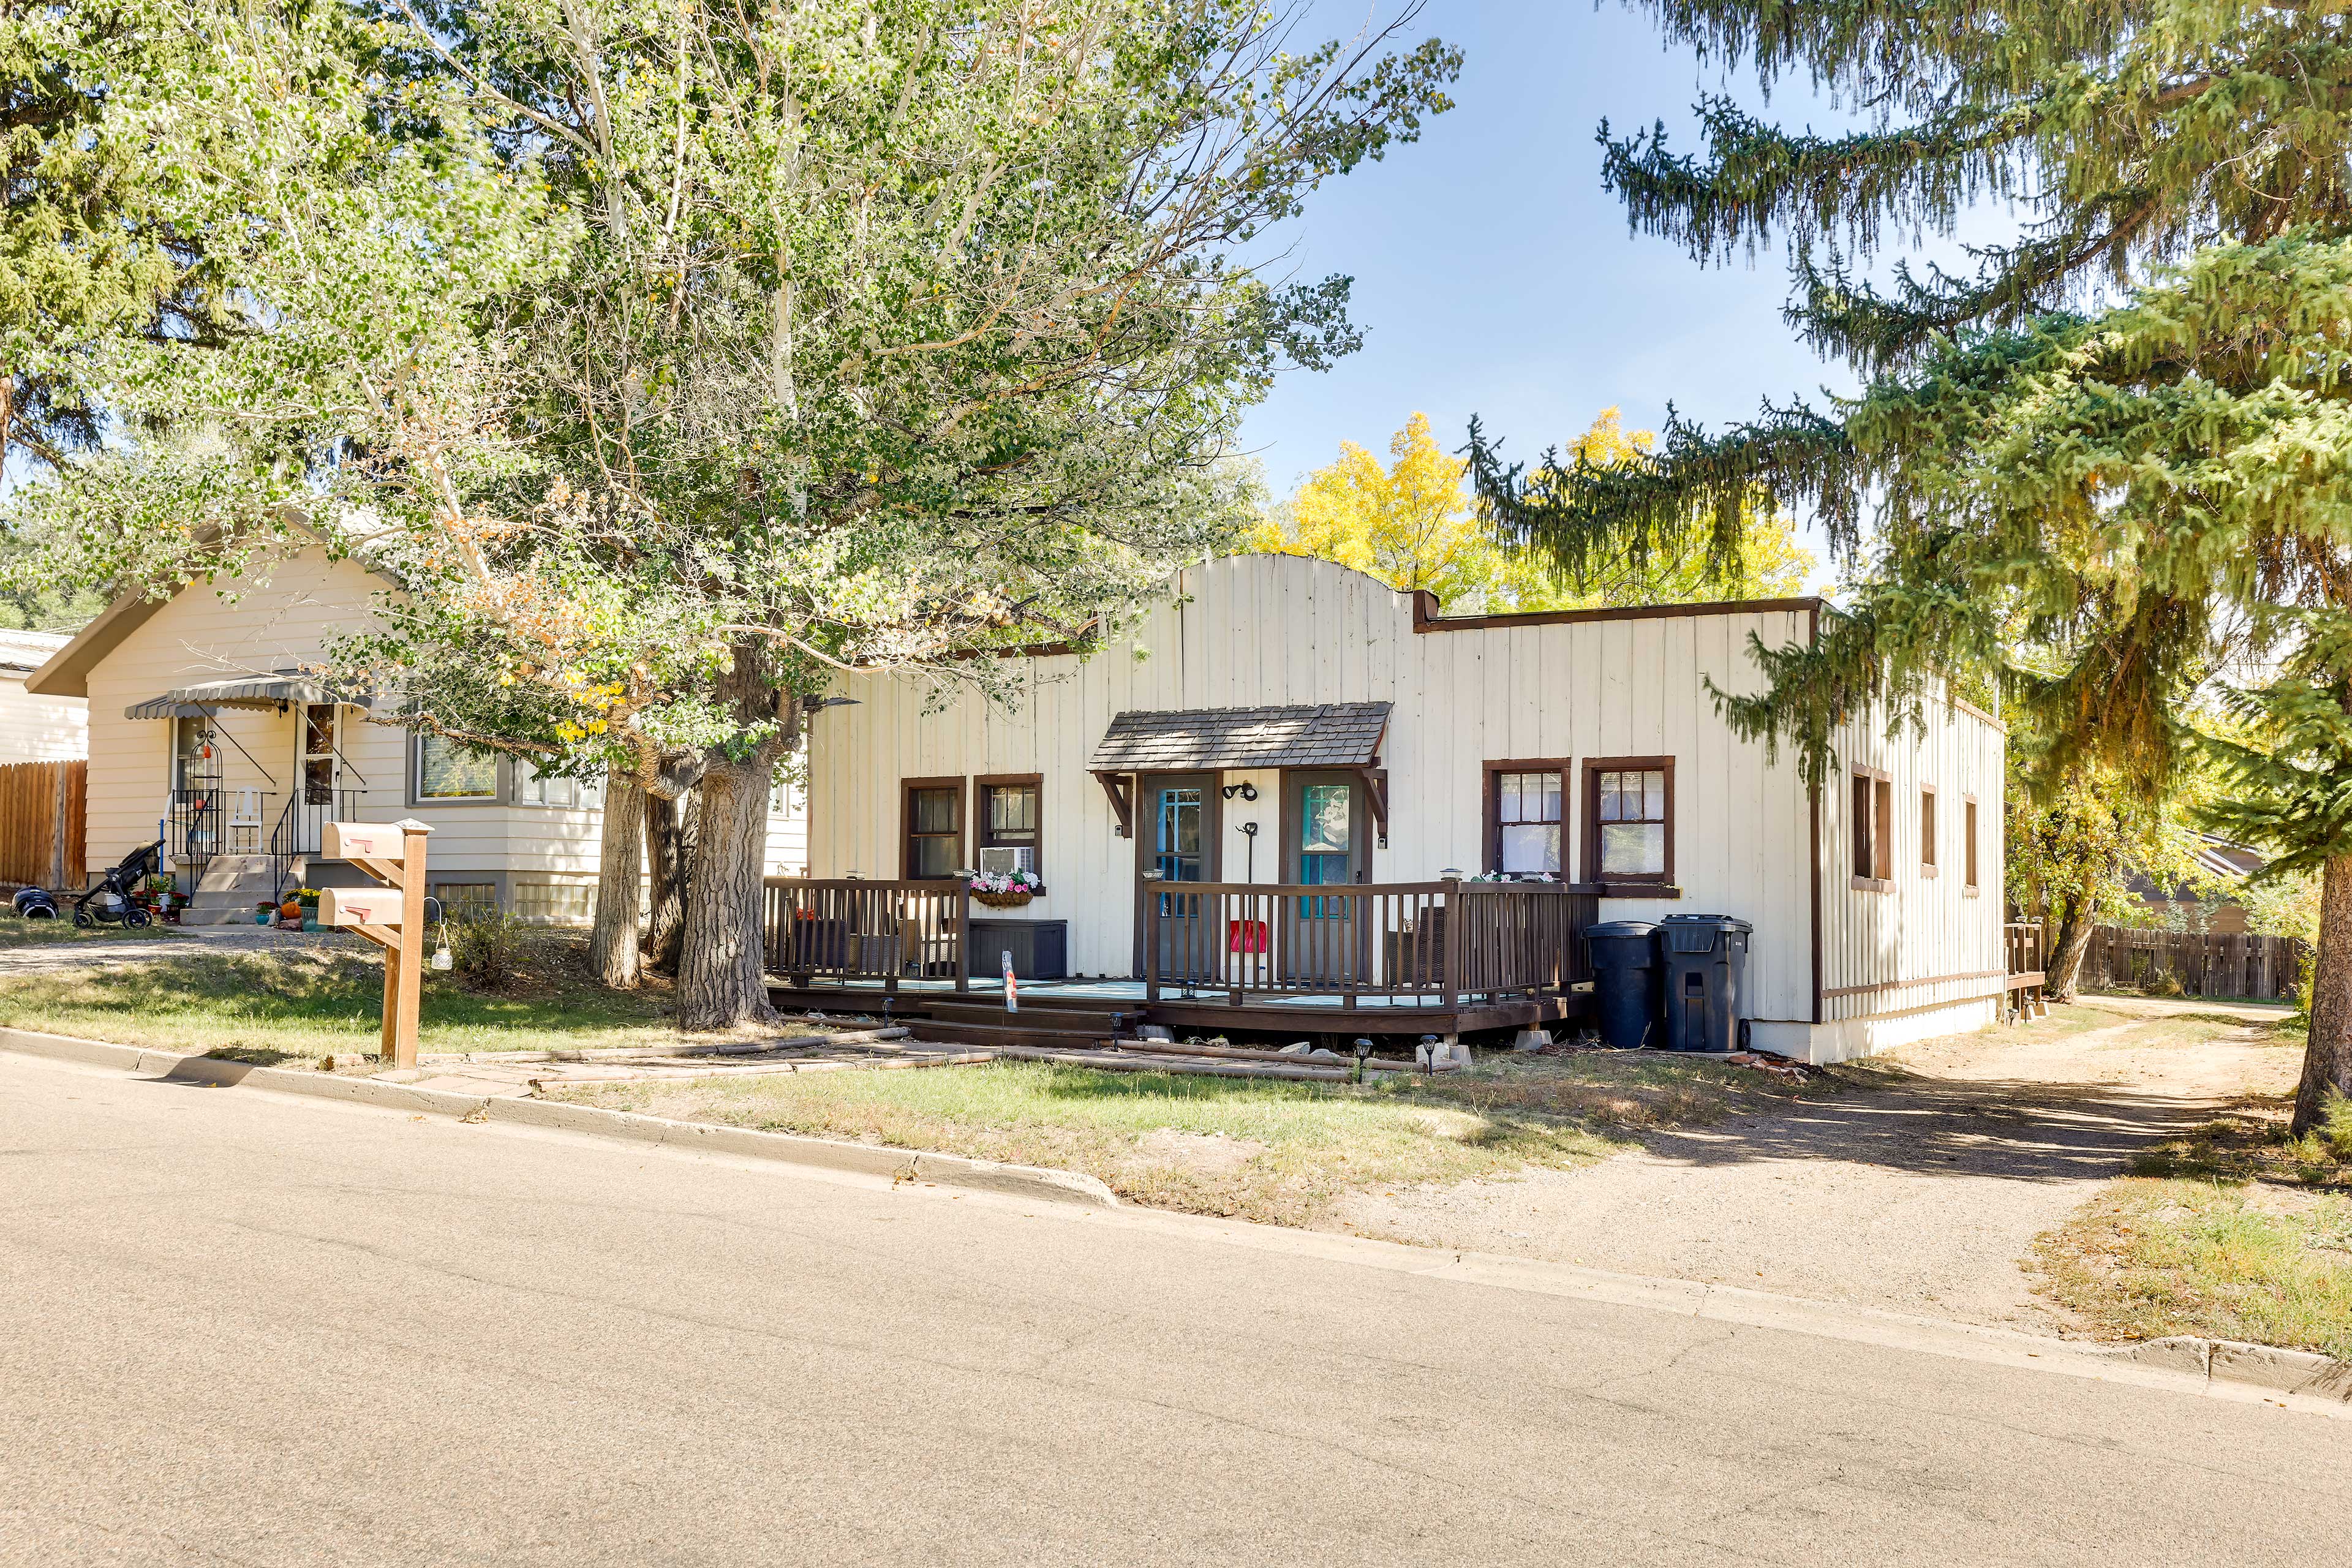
{"points": [[2121, 441]]}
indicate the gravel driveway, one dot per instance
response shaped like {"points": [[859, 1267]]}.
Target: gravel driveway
{"points": [[1918, 1193]]}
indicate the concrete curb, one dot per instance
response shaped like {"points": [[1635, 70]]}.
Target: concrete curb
{"points": [[824, 1153]]}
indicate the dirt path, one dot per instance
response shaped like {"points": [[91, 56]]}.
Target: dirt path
{"points": [[1918, 1191]]}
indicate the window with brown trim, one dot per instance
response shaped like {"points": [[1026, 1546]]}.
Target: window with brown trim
{"points": [[1007, 812], [931, 815], [1927, 830], [1629, 819], [1527, 817], [1873, 830], [1968, 842]]}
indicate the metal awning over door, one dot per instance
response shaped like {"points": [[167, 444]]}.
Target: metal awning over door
{"points": [[262, 691]]}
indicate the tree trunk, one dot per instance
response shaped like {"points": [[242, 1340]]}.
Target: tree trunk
{"points": [[612, 955], [2063, 976], [2327, 1056], [721, 970], [669, 852], [721, 975]]}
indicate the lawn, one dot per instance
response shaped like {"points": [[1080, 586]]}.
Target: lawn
{"points": [[2238, 1232], [1258, 1149], [61, 932], [302, 1003]]}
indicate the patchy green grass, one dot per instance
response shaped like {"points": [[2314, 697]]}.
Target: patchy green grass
{"points": [[2238, 1231], [302, 1003], [1261, 1148], [62, 932], [2151, 1256]]}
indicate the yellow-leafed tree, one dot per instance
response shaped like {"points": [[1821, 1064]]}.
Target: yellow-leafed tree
{"points": [[1411, 523]]}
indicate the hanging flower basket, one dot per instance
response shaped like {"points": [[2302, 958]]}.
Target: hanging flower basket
{"points": [[1006, 889]]}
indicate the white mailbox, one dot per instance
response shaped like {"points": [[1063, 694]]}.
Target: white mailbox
{"points": [[358, 905], [360, 841]]}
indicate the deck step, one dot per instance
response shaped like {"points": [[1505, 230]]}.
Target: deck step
{"points": [[1042, 1015], [939, 1031]]}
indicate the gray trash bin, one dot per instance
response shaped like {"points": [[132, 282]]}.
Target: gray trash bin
{"points": [[1625, 980], [1705, 961]]}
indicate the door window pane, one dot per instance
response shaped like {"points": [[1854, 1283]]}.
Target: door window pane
{"points": [[1324, 823], [1179, 842]]}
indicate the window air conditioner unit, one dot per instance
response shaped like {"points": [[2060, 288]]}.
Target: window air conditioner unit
{"points": [[1004, 859]]}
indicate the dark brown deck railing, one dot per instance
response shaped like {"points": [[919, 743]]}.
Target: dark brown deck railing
{"points": [[1436, 943], [2022, 943], [854, 930]]}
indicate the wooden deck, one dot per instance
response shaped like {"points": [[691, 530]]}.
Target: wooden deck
{"points": [[1380, 959]]}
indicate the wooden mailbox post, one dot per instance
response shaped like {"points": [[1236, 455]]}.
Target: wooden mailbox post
{"points": [[392, 916]]}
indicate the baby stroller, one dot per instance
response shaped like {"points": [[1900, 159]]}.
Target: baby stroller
{"points": [[116, 896]]}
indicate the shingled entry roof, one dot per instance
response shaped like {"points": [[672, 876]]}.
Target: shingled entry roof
{"points": [[1332, 735]]}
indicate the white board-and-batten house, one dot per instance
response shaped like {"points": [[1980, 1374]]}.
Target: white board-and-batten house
{"points": [[205, 733], [1287, 720]]}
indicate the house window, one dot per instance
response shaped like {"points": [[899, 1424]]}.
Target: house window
{"points": [[535, 788], [1010, 822], [1524, 815], [1873, 830], [1928, 831], [1629, 806], [446, 770], [933, 816], [1968, 842]]}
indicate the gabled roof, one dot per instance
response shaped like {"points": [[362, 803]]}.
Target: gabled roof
{"points": [[1325, 735], [67, 673]]}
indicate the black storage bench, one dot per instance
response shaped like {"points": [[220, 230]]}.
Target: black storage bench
{"points": [[1040, 949]]}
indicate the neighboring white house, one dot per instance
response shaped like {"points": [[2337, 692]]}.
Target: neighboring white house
{"points": [[1313, 726], [34, 727], [205, 732]]}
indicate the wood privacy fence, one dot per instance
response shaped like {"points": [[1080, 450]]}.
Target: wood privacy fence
{"points": [[43, 810], [2262, 967]]}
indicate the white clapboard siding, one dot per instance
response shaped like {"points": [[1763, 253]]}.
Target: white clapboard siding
{"points": [[1263, 630]]}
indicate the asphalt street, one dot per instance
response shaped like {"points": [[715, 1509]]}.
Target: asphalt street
{"points": [[242, 1327]]}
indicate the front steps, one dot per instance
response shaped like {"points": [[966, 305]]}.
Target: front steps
{"points": [[230, 888]]}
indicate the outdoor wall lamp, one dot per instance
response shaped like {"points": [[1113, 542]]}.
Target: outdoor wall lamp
{"points": [[1245, 789]]}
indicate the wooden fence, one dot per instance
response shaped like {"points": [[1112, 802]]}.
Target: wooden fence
{"points": [[2261, 967], [43, 810]]}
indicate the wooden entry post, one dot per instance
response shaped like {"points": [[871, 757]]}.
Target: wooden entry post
{"points": [[393, 854]]}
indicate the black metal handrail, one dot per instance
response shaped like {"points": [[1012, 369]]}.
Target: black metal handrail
{"points": [[299, 829]]}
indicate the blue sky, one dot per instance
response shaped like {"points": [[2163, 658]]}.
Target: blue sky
{"points": [[1495, 276]]}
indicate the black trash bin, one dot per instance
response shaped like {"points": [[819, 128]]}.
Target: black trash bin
{"points": [[1625, 980], [1704, 963]]}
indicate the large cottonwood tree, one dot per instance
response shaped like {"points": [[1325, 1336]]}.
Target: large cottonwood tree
{"points": [[854, 335], [2100, 462]]}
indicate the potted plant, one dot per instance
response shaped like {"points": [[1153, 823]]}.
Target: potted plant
{"points": [[1006, 889], [263, 912], [308, 914]]}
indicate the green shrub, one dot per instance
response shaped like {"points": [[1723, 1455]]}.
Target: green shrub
{"points": [[486, 948], [2336, 1126]]}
